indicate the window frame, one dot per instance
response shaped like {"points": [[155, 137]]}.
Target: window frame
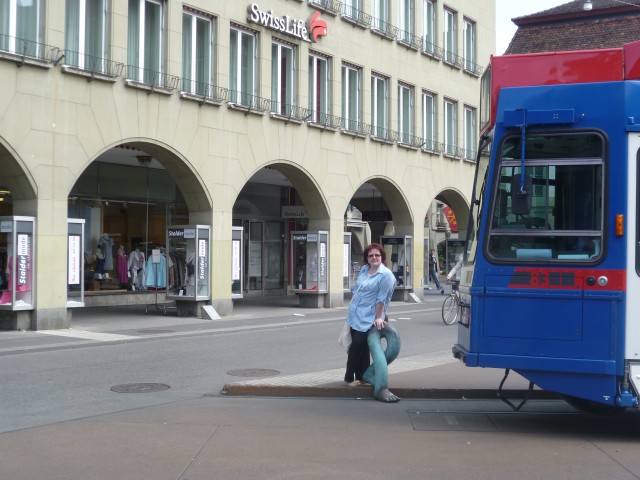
{"points": [[470, 126], [450, 134], [283, 77], [405, 118], [141, 70], [380, 126], [351, 106], [77, 36], [198, 79], [246, 97], [379, 15], [449, 33], [34, 39], [319, 88], [429, 119], [429, 26], [469, 45]]}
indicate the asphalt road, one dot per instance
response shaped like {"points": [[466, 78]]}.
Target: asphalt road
{"points": [[61, 420]]}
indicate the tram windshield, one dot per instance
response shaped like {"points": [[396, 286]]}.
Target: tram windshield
{"points": [[552, 211]]}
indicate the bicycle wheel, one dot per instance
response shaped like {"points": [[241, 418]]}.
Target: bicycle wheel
{"points": [[450, 310]]}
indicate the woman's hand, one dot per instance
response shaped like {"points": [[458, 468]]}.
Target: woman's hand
{"points": [[379, 323]]}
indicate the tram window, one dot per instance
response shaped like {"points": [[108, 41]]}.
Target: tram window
{"points": [[564, 221]]}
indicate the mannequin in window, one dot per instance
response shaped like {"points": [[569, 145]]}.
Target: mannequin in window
{"points": [[137, 269], [99, 263]]}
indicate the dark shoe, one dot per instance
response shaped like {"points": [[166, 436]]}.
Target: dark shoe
{"points": [[442, 292]]}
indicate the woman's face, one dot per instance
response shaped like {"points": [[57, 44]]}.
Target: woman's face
{"points": [[374, 257]]}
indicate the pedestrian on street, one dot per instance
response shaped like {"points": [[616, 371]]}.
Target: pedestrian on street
{"points": [[367, 309], [433, 275]]}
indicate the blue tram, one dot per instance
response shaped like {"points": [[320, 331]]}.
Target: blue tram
{"points": [[551, 281]]}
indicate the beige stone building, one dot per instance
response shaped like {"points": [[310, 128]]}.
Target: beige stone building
{"points": [[250, 120]]}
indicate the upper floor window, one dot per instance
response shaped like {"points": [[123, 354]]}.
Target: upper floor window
{"points": [[243, 68], [470, 137], [351, 97], [146, 48], [379, 106], [319, 88], [429, 120], [282, 78], [405, 14], [198, 33], [86, 34], [450, 126], [450, 36], [380, 14], [469, 47], [405, 113], [428, 26], [22, 27]]}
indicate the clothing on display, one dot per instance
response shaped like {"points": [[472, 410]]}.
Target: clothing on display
{"points": [[123, 268], [137, 269], [156, 272], [106, 244]]}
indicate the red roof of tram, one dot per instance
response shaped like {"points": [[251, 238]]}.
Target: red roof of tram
{"points": [[554, 68]]}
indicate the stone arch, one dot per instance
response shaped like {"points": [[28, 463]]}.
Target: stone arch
{"points": [[187, 178], [15, 176], [455, 199], [309, 191]]}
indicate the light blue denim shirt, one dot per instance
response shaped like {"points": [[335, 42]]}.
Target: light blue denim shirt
{"points": [[368, 292]]}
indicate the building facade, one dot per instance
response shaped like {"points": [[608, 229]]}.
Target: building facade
{"points": [[243, 122]]}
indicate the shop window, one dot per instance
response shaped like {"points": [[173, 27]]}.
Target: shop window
{"points": [[282, 78], [145, 47], [86, 33], [319, 88], [243, 69], [197, 53], [22, 27], [429, 120], [405, 113], [379, 106], [351, 98]]}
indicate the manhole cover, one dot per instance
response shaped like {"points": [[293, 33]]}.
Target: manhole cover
{"points": [[140, 388], [253, 372], [155, 331]]}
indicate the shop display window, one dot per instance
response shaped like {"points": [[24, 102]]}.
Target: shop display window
{"points": [[188, 262], [309, 260], [237, 261], [75, 270], [17, 269], [399, 251], [346, 262]]}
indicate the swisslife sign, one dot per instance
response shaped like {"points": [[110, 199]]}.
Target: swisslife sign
{"points": [[308, 31]]}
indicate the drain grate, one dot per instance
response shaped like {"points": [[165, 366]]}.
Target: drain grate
{"points": [[253, 372], [140, 388]]}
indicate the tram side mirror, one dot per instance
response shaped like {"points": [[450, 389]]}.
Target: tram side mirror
{"points": [[521, 199]]}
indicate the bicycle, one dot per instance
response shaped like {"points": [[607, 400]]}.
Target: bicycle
{"points": [[451, 308]]}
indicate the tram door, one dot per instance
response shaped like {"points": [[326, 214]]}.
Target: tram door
{"points": [[265, 258]]}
